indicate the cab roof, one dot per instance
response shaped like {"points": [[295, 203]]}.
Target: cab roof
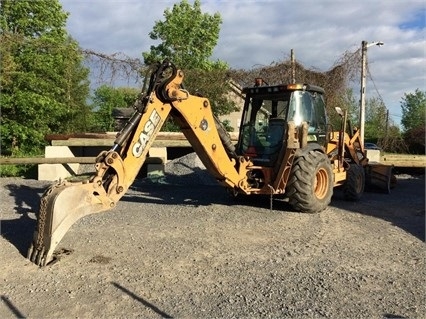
{"points": [[265, 89]]}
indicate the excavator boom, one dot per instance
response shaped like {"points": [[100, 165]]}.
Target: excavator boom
{"points": [[64, 203]]}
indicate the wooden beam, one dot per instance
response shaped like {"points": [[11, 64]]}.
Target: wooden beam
{"points": [[93, 142], [403, 160], [62, 160], [163, 139]]}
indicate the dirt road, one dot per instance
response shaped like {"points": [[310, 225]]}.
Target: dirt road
{"points": [[192, 252]]}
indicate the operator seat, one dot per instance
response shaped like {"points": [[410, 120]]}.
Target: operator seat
{"points": [[276, 133]]}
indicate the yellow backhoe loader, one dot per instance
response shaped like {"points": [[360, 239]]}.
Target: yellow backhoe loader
{"points": [[286, 147]]}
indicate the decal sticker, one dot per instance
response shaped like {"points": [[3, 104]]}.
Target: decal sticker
{"points": [[148, 130]]}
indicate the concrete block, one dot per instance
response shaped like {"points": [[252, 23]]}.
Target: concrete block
{"points": [[160, 152], [157, 169], [52, 172], [373, 155]]}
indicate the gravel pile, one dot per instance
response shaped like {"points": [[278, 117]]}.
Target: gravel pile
{"points": [[185, 170]]}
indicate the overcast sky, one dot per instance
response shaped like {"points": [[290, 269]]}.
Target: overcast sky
{"points": [[260, 32]]}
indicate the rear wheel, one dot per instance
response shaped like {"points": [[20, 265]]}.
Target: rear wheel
{"points": [[355, 181], [310, 186]]}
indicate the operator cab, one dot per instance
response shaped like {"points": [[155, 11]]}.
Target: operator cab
{"points": [[267, 109]]}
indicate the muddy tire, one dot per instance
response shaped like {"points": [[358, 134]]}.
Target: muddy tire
{"points": [[310, 185], [355, 183]]}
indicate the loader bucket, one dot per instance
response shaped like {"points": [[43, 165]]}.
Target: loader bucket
{"points": [[60, 207], [380, 176]]}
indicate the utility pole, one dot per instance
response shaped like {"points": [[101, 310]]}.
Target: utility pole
{"points": [[362, 98], [364, 46], [293, 67]]}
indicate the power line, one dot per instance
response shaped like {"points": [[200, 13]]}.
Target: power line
{"points": [[375, 87]]}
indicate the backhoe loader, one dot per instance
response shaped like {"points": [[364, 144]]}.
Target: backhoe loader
{"points": [[285, 147]]}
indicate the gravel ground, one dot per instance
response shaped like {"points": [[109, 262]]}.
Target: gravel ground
{"points": [[190, 251]]}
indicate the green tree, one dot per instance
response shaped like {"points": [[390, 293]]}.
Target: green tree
{"points": [[375, 119], [43, 83], [188, 37], [76, 89], [213, 85], [346, 102], [413, 106], [106, 99]]}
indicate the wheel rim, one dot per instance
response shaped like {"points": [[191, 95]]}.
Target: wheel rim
{"points": [[321, 183]]}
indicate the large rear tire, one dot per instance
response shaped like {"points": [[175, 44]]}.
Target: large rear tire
{"points": [[355, 182], [310, 186]]}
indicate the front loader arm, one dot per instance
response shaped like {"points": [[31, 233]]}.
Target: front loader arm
{"points": [[66, 202]]}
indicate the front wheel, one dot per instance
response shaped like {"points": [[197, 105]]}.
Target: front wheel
{"points": [[355, 181], [310, 185]]}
